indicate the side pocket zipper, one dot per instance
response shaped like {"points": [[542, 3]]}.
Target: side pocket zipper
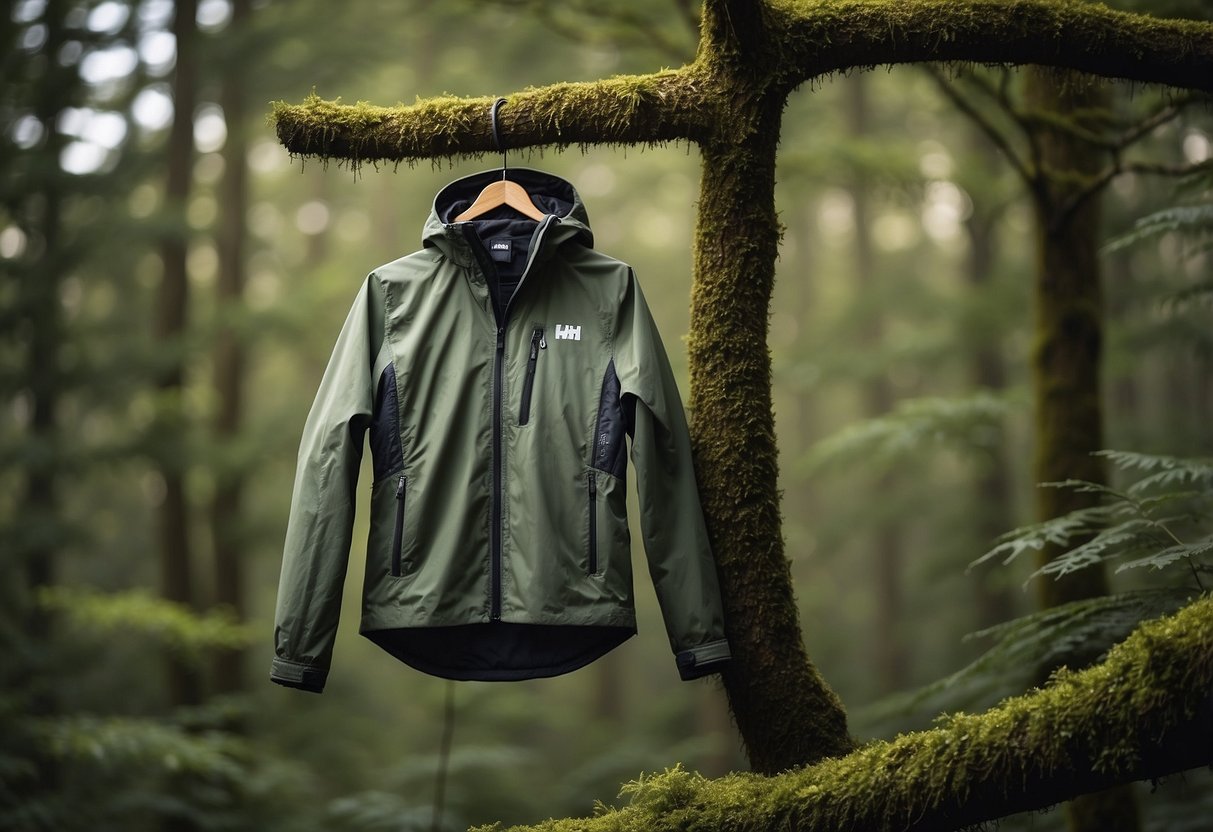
{"points": [[592, 487], [537, 344], [398, 535]]}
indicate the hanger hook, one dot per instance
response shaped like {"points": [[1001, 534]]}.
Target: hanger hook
{"points": [[497, 134]]}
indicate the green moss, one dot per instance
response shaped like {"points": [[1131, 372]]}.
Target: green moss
{"points": [[1102, 719], [633, 109]]}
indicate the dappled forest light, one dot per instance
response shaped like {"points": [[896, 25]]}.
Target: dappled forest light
{"points": [[990, 343]]}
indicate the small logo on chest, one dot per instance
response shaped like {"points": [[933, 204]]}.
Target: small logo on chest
{"points": [[565, 332]]}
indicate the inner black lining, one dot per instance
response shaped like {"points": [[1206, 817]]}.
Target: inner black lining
{"points": [[503, 275], [499, 651]]}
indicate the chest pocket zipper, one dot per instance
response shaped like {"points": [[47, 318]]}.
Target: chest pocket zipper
{"points": [[398, 534], [537, 344]]}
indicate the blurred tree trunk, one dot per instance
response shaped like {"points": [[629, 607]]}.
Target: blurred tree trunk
{"points": [[994, 488], [170, 446], [227, 511], [891, 660], [1066, 364]]}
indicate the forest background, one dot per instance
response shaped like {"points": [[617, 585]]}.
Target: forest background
{"points": [[901, 362]]}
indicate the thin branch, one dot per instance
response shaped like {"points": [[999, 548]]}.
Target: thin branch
{"points": [[1068, 124], [1117, 168], [984, 124]]}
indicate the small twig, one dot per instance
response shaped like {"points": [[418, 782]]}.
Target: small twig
{"points": [[979, 118]]}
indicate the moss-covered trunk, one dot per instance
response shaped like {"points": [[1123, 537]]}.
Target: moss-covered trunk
{"points": [[1066, 367], [785, 712]]}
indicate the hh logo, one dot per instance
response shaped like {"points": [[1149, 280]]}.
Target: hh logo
{"points": [[565, 332]]}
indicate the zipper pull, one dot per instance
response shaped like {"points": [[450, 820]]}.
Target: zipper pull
{"points": [[400, 488], [543, 342]]}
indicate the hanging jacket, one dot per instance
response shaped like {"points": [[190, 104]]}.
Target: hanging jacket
{"points": [[496, 373]]}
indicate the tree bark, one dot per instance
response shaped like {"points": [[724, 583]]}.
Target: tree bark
{"points": [[171, 314], [1066, 384], [1068, 347], [785, 712]]}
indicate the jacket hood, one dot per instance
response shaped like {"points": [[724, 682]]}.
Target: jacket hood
{"points": [[550, 193]]}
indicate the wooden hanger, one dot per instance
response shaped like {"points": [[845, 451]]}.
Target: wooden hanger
{"points": [[503, 192]]}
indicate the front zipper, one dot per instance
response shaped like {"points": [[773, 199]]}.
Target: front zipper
{"points": [[495, 518], [495, 535], [398, 534], [537, 344], [592, 488]]}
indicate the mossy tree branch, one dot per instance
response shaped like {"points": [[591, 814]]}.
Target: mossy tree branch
{"points": [[824, 36], [1144, 713], [634, 109]]}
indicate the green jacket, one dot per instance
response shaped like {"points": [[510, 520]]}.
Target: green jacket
{"points": [[497, 372]]}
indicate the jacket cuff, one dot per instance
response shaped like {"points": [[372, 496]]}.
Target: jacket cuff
{"points": [[703, 660], [300, 676]]}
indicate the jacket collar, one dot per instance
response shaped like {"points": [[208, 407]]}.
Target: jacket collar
{"points": [[553, 195]]}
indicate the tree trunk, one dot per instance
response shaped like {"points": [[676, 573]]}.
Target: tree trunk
{"points": [[785, 712], [1066, 368], [171, 313], [227, 514]]}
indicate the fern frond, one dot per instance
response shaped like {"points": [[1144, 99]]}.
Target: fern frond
{"points": [[1200, 290], [1058, 531], [1164, 558], [1084, 487], [1137, 534], [1185, 219], [972, 422]]}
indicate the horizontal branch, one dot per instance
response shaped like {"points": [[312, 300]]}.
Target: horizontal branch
{"points": [[1145, 712], [632, 109], [824, 36]]}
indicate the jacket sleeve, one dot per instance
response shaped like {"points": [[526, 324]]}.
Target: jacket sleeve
{"points": [[671, 519], [322, 502]]}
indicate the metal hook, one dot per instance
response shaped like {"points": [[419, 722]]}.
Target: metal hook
{"points": [[496, 134]]}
